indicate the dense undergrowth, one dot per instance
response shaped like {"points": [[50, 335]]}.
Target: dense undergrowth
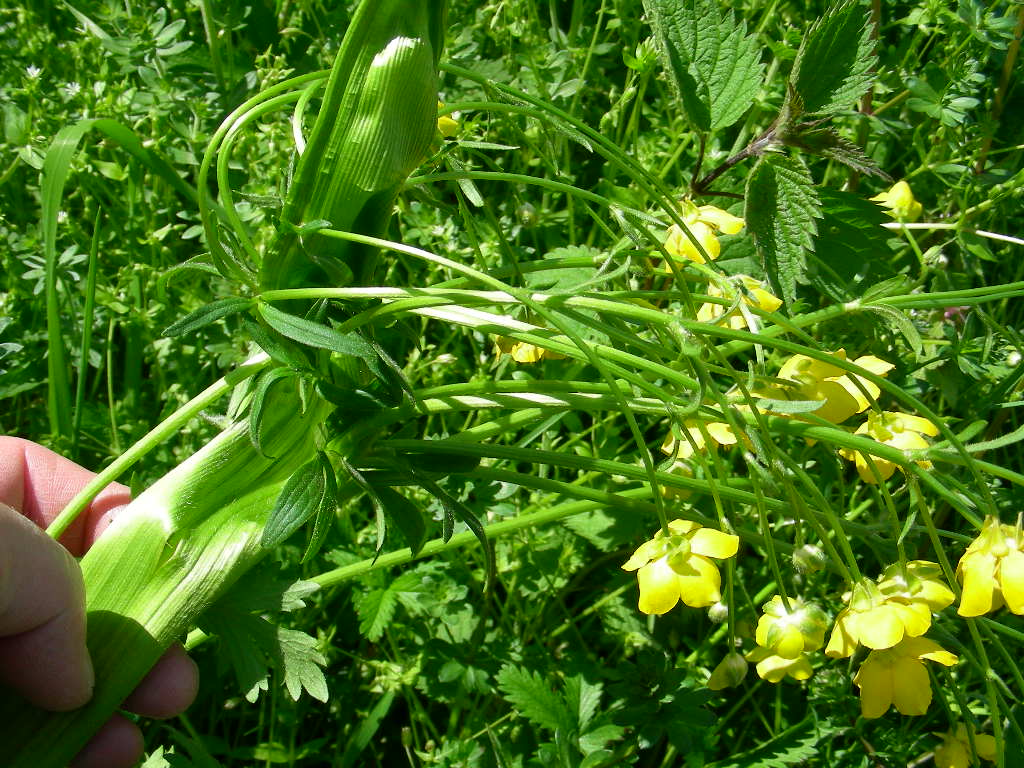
{"points": [[855, 414]]}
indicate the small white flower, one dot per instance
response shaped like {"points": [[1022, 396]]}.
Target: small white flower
{"points": [[62, 216], [33, 71], [72, 89]]}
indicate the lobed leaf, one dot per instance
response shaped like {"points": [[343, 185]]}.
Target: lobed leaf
{"points": [[533, 696]]}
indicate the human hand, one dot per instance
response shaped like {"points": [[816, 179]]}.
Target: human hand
{"points": [[42, 603]]}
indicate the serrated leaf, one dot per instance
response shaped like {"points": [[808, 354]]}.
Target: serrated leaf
{"points": [[851, 251], [826, 142], [781, 208], [714, 63], [534, 697], [796, 745], [376, 607], [833, 66], [303, 495]]}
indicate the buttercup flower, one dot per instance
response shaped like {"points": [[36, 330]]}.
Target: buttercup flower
{"points": [[678, 566], [755, 296], [881, 615], [703, 223], [900, 202], [447, 126], [522, 352], [812, 379], [955, 750], [992, 570], [729, 673], [682, 448], [900, 430], [774, 668], [789, 633], [897, 676]]}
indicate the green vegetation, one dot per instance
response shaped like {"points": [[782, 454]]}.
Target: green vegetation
{"points": [[473, 308]]}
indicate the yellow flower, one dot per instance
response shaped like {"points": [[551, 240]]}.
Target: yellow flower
{"points": [[812, 379], [754, 295], [992, 570], [703, 223], [955, 750], [789, 633], [774, 668], [525, 353], [729, 673], [682, 448], [900, 202], [678, 566], [880, 615], [900, 430], [446, 125], [897, 676]]}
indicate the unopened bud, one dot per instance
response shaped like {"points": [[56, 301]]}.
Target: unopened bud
{"points": [[809, 558]]}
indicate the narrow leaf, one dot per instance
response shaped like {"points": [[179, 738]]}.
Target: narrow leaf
{"points": [[407, 517], [325, 514], [781, 208], [714, 64], [321, 336], [833, 66], [205, 315], [263, 384]]}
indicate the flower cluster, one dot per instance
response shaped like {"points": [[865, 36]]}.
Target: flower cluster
{"points": [[678, 567], [703, 222]]}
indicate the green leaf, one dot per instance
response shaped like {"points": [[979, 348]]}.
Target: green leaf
{"points": [[534, 697], [898, 321], [304, 495], [714, 63], [314, 334], [796, 745], [825, 142], [851, 252], [302, 664], [833, 66], [376, 607], [407, 517], [262, 386], [781, 208], [325, 515]]}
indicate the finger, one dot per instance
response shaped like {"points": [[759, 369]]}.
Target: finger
{"points": [[42, 617], [39, 483], [118, 744], [169, 687]]}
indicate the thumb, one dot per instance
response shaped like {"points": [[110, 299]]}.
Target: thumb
{"points": [[42, 617]]}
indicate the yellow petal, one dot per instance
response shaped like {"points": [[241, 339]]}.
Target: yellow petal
{"points": [[875, 365], [699, 582], [764, 300], [680, 246], [884, 468], [916, 423], [789, 644], [712, 543], [977, 575], [646, 552], [985, 746], [916, 617], [721, 432], [847, 383], [874, 678], [923, 648], [878, 628], [682, 527], [951, 754], [1011, 580], [720, 219], [841, 644], [912, 690], [659, 587], [839, 404]]}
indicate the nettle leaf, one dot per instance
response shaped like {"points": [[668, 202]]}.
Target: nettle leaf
{"points": [[833, 66], [714, 63], [825, 142], [534, 697], [851, 253], [782, 206]]}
